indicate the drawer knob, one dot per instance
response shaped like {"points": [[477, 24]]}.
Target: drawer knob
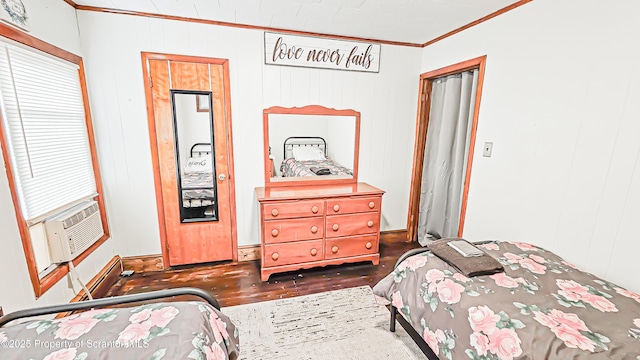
{"points": [[314, 252], [274, 232], [368, 245], [336, 207], [314, 209], [370, 223], [274, 212], [275, 256], [334, 249], [314, 229], [335, 227], [372, 204]]}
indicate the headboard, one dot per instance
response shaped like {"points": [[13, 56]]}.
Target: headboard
{"points": [[297, 141], [199, 149]]}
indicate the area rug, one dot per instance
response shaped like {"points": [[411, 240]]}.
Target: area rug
{"points": [[339, 324]]}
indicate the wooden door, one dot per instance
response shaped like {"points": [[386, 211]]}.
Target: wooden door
{"points": [[204, 237]]}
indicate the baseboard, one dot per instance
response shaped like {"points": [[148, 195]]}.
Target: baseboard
{"points": [[397, 232], [249, 252], [149, 263], [145, 263], [392, 236], [100, 284]]}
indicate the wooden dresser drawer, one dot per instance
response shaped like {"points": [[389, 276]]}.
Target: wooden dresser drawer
{"points": [[351, 246], [284, 210], [279, 231], [354, 224], [353, 205], [306, 226], [293, 253]]}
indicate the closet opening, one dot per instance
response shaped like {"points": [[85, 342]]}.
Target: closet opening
{"points": [[448, 108]]}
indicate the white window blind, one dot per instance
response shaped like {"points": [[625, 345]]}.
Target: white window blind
{"points": [[44, 121]]}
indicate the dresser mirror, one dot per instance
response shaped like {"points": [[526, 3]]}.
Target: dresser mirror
{"points": [[310, 145]]}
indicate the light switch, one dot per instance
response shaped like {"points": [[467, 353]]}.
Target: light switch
{"points": [[488, 146]]}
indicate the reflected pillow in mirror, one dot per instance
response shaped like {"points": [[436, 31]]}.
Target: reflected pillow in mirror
{"points": [[198, 165], [305, 153]]}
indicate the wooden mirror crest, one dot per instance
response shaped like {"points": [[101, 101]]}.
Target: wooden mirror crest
{"points": [[310, 145]]}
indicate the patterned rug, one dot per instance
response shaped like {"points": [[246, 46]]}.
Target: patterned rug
{"points": [[340, 324]]}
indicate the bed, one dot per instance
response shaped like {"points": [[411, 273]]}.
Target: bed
{"points": [[197, 182], [155, 330], [307, 156], [540, 307]]}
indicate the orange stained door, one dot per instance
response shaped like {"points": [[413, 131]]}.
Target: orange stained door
{"points": [[193, 228]]}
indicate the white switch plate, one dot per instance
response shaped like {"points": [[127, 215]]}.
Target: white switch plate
{"points": [[488, 146]]}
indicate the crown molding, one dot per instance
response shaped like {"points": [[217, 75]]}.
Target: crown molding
{"points": [[296, 32], [241, 26]]}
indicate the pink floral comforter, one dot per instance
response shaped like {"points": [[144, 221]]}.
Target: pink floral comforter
{"points": [[541, 307], [177, 330]]}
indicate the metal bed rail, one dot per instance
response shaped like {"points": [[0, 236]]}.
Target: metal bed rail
{"points": [[110, 301]]}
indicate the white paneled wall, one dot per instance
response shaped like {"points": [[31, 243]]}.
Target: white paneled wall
{"points": [[53, 22], [560, 105], [111, 47]]}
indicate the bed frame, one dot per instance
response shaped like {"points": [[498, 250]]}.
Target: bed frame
{"points": [[110, 301], [200, 149], [299, 141]]}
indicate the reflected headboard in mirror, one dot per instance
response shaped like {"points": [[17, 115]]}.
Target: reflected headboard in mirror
{"points": [[310, 145]]}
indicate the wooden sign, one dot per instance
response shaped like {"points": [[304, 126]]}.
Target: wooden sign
{"points": [[15, 13], [313, 52]]}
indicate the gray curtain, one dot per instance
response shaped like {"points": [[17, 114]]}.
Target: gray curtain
{"points": [[445, 157]]}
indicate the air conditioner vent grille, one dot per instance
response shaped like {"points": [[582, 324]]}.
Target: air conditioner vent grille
{"points": [[80, 215], [85, 233]]}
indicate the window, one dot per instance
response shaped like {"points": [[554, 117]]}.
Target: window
{"points": [[47, 144], [45, 126]]}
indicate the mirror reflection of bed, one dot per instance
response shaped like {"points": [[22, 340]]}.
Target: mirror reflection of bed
{"points": [[308, 146], [198, 193], [308, 156]]}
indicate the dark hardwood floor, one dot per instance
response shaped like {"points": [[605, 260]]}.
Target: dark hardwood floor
{"points": [[239, 283]]}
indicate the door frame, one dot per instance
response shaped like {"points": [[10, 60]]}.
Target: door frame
{"points": [[146, 56], [422, 122]]}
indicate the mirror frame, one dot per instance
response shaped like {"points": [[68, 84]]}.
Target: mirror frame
{"points": [[309, 110]]}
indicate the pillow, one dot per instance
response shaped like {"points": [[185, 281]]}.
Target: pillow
{"points": [[198, 165], [305, 153]]}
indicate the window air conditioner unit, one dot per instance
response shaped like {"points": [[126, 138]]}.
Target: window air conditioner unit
{"points": [[73, 231]]}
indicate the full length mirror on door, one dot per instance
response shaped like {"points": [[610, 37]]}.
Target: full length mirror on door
{"points": [[195, 155]]}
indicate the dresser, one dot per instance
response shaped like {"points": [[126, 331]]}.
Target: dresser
{"points": [[308, 226]]}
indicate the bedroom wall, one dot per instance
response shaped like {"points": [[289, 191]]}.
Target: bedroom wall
{"points": [[112, 44], [54, 22], [560, 106]]}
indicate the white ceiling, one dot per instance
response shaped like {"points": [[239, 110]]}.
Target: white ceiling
{"points": [[408, 21]]}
